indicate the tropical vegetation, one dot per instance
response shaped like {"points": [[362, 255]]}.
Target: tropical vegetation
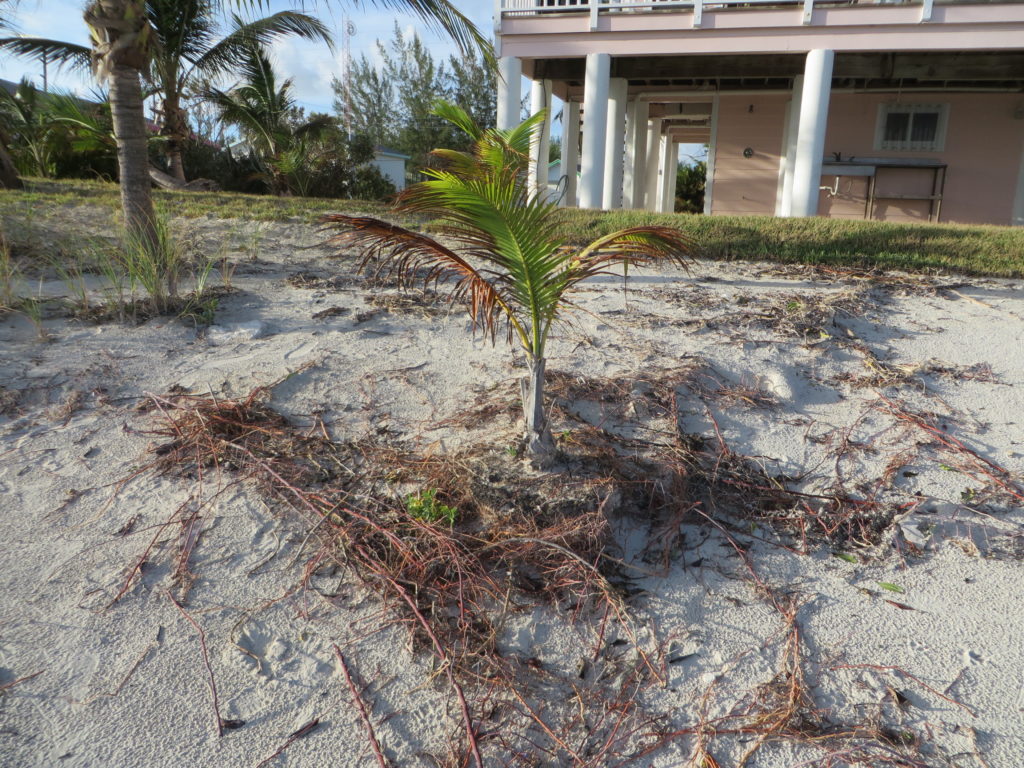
{"points": [[690, 181], [391, 98], [513, 265], [125, 45], [293, 154], [188, 53]]}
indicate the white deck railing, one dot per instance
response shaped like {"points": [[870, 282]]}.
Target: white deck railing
{"points": [[596, 8]]}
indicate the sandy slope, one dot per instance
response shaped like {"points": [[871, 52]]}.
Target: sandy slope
{"points": [[124, 684]]}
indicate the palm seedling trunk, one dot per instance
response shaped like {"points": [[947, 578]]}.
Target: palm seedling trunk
{"points": [[538, 432]]}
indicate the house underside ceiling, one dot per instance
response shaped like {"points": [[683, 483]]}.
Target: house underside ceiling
{"points": [[869, 71]]}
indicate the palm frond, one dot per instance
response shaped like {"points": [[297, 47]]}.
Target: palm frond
{"points": [[458, 117], [497, 220], [443, 16], [234, 48], [90, 133], [314, 128], [439, 15], [635, 246], [519, 137], [183, 29], [75, 57], [407, 255]]}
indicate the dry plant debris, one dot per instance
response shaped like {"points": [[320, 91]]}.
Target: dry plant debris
{"points": [[521, 540], [809, 317], [524, 538]]}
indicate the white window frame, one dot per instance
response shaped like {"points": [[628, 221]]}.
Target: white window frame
{"points": [[906, 145]]}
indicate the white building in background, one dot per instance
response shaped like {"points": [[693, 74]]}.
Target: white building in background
{"points": [[391, 164]]}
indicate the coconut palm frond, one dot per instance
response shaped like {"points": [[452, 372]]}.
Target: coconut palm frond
{"points": [[75, 57], [508, 151], [498, 223], [234, 49], [407, 255], [314, 127], [443, 16], [182, 31], [520, 137], [439, 15], [492, 214], [635, 246], [460, 163], [459, 118], [90, 132]]}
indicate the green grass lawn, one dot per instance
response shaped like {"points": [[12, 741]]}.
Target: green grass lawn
{"points": [[965, 249]]}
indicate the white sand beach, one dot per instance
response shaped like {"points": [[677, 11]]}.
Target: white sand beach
{"points": [[903, 628]]}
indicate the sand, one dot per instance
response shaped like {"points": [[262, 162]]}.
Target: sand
{"points": [[919, 634]]}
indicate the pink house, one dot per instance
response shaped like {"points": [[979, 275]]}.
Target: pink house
{"points": [[888, 110]]}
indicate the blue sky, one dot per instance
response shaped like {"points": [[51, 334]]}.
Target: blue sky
{"points": [[311, 66]]}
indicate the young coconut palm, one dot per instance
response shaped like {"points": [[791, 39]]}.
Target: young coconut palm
{"points": [[512, 264]]}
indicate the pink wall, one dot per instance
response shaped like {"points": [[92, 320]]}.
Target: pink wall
{"points": [[748, 185], [984, 144]]}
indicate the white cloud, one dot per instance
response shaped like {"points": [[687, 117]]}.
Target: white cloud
{"points": [[311, 68]]}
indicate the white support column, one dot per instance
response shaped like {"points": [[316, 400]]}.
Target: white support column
{"points": [[629, 155], [810, 140], [789, 160], [595, 129], [510, 94], [668, 167], [783, 152], [540, 147], [618, 89], [652, 175], [1017, 217], [635, 163], [673, 179], [570, 150], [709, 180]]}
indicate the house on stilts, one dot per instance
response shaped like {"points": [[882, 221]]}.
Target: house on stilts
{"points": [[895, 110]]}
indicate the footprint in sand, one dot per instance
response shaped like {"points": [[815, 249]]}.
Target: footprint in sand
{"points": [[260, 649], [269, 655]]}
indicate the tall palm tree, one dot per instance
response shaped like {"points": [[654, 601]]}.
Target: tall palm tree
{"points": [[188, 51], [188, 54], [8, 173], [123, 43], [512, 265], [262, 109]]}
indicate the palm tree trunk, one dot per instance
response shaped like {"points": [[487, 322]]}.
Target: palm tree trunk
{"points": [[538, 432], [129, 117], [8, 173], [176, 131]]}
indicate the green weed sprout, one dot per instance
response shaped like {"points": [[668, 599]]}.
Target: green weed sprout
{"points": [[425, 506]]}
